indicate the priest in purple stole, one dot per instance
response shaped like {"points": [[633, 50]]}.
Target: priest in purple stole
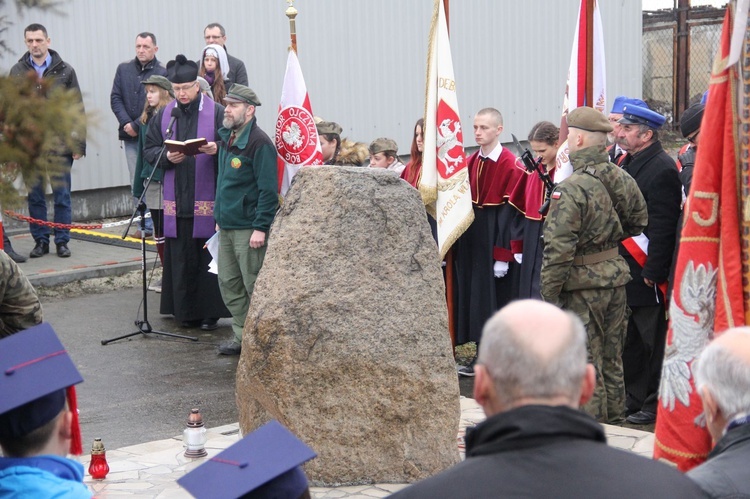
{"points": [[189, 291]]}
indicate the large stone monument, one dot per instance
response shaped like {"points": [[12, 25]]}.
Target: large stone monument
{"points": [[346, 341]]}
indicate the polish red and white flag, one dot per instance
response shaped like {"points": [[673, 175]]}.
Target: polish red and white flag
{"points": [[444, 183], [296, 139], [587, 81]]}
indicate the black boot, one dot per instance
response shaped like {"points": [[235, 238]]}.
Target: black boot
{"points": [[11, 252], [39, 250]]}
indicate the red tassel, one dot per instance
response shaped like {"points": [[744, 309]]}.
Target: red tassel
{"points": [[76, 442]]}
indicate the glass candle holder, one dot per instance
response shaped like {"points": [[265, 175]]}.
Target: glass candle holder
{"points": [[98, 468]]}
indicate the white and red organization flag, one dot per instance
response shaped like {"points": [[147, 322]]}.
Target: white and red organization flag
{"points": [[708, 293], [297, 142], [587, 69], [444, 183]]}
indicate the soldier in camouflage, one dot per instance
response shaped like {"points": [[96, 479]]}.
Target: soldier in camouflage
{"points": [[19, 304], [598, 206]]}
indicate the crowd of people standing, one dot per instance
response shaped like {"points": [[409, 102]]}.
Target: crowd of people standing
{"points": [[513, 249], [600, 245]]}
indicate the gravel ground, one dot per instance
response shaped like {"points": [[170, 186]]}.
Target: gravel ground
{"points": [[97, 285]]}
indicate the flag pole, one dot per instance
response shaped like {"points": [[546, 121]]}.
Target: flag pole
{"points": [[449, 275], [590, 52], [291, 13], [446, 6]]}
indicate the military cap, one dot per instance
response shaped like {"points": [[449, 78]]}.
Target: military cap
{"points": [[180, 70], [329, 127], [35, 371], [641, 115], [691, 119], [264, 464], [159, 81], [621, 101], [382, 145], [241, 93], [589, 119]]}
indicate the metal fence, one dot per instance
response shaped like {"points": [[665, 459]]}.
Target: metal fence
{"points": [[678, 50]]}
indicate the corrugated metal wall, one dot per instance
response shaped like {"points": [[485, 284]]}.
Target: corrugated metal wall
{"points": [[364, 61]]}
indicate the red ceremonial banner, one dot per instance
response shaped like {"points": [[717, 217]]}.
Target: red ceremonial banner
{"points": [[708, 291]]}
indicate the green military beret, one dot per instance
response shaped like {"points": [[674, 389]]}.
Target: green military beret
{"points": [[382, 145], [159, 81], [589, 119], [241, 93], [329, 127]]}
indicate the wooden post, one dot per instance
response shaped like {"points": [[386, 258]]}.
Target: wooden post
{"points": [[291, 13], [449, 276], [682, 61], [590, 52]]}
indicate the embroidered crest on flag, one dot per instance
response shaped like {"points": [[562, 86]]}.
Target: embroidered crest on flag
{"points": [[296, 135], [450, 141]]}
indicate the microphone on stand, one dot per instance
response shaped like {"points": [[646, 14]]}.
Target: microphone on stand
{"points": [[176, 113]]}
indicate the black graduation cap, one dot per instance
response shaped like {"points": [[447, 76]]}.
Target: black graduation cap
{"points": [[35, 371], [265, 464]]}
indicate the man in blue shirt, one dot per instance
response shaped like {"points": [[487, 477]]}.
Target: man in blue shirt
{"points": [[49, 65]]}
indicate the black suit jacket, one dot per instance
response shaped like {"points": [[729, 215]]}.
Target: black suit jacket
{"points": [[237, 72], [655, 173]]}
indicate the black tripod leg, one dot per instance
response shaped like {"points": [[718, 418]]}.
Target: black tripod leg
{"points": [[143, 326], [104, 342]]}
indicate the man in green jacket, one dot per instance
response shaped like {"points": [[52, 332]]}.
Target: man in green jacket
{"points": [[246, 202]]}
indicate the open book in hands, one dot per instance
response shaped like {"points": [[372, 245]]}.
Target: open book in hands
{"points": [[188, 148]]}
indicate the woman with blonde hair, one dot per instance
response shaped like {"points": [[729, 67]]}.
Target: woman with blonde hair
{"points": [[158, 94]]}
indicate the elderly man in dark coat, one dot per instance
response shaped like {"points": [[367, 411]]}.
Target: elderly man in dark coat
{"points": [[650, 258], [531, 377], [722, 378]]}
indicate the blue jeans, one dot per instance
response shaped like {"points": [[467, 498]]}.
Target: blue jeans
{"points": [[38, 203], [131, 155]]}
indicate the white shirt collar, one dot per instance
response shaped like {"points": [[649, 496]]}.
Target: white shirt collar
{"points": [[494, 154]]}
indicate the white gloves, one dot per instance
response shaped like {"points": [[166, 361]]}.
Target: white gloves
{"points": [[500, 269], [518, 257]]}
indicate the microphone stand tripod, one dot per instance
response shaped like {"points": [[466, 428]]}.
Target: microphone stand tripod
{"points": [[144, 327]]}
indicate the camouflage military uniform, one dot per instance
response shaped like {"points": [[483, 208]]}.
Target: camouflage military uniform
{"points": [[19, 304], [590, 213]]}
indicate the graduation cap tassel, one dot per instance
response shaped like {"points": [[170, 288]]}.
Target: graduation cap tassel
{"points": [[76, 442]]}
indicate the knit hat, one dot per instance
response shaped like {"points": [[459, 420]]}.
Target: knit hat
{"points": [[690, 121]]}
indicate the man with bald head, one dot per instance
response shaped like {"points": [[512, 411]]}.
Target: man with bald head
{"points": [[722, 378], [531, 377], [598, 206]]}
